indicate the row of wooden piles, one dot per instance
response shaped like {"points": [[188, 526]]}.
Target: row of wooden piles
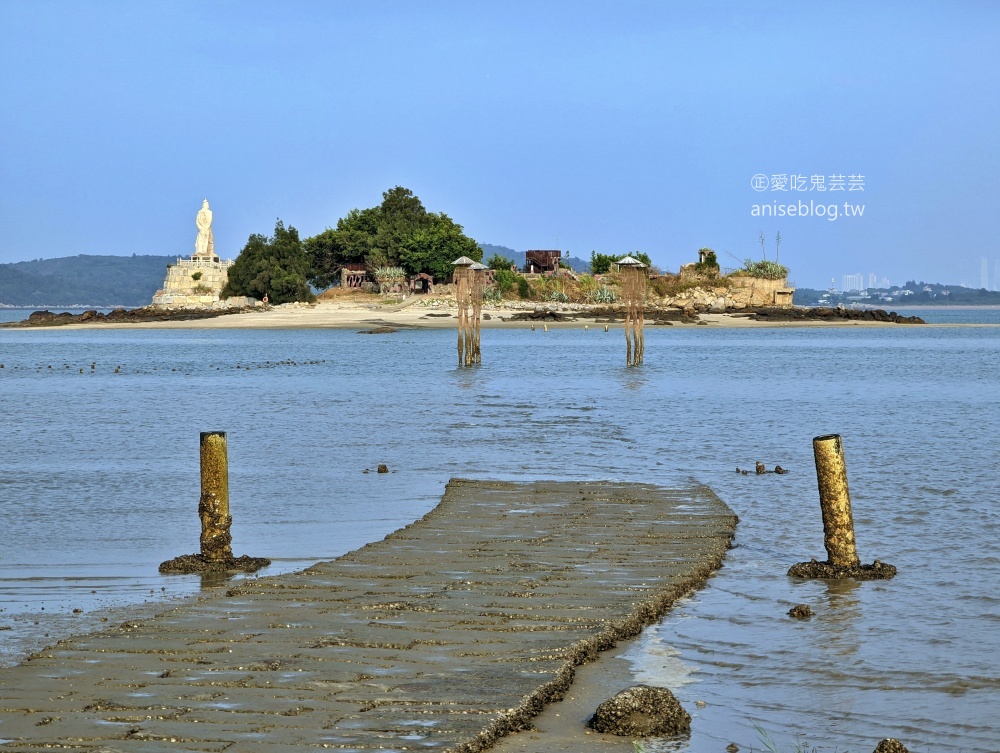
{"points": [[470, 284]]}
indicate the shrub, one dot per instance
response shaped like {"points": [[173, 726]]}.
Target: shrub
{"points": [[505, 280], [765, 270], [711, 264], [196, 276], [523, 288]]}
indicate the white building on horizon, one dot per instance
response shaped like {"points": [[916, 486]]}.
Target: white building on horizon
{"points": [[853, 282]]}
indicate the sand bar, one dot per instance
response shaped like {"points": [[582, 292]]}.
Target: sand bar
{"points": [[415, 313], [447, 635]]}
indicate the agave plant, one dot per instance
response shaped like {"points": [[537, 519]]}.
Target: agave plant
{"points": [[387, 277], [492, 295], [603, 294], [766, 270]]}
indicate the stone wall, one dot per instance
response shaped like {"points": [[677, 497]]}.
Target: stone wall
{"points": [[757, 291], [181, 289], [740, 293]]}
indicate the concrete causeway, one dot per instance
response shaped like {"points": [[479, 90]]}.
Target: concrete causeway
{"points": [[444, 636]]}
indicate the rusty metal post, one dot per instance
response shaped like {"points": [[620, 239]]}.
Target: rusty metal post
{"points": [[835, 501], [213, 507]]}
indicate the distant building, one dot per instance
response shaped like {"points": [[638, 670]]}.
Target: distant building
{"points": [[853, 282], [541, 261]]}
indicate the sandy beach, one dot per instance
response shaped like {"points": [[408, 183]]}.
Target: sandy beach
{"points": [[417, 313]]}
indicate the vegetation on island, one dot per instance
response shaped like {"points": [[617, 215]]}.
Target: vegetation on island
{"points": [[275, 266], [399, 233], [764, 270], [601, 263], [709, 264]]}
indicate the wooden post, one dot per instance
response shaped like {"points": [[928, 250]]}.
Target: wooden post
{"points": [[634, 297], [835, 501], [213, 507]]}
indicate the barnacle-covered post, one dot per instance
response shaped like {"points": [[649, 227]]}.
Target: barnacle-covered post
{"points": [[838, 520], [213, 507], [463, 297], [835, 501], [478, 288], [633, 274]]}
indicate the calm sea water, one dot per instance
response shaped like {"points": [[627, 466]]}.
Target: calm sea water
{"points": [[99, 484]]}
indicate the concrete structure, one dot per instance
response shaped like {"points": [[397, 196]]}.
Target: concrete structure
{"points": [[195, 282], [353, 275], [444, 636], [756, 291]]}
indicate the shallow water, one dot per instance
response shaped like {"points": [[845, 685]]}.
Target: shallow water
{"points": [[99, 483]]}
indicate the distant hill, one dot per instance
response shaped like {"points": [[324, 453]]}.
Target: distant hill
{"points": [[911, 294], [576, 264], [94, 281]]}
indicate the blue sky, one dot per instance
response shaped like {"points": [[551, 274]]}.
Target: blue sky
{"points": [[626, 126]]}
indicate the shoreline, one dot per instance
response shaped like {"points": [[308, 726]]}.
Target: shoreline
{"points": [[457, 629], [340, 315]]}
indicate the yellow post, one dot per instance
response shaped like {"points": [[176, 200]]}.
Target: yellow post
{"points": [[835, 501], [213, 507]]}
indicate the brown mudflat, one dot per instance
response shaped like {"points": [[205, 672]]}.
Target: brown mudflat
{"points": [[445, 635]]}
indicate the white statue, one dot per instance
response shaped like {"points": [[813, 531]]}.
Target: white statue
{"points": [[204, 245]]}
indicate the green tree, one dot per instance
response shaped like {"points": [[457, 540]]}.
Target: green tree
{"points": [[601, 263], [277, 267], [499, 262], [505, 280], [400, 216], [398, 232], [434, 246], [349, 243]]}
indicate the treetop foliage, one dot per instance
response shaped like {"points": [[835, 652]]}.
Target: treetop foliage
{"points": [[276, 267], [499, 262], [399, 232], [601, 263]]}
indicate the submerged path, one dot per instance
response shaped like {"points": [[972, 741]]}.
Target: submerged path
{"points": [[445, 635]]}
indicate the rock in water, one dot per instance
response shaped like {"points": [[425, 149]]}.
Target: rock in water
{"points": [[890, 745], [641, 711]]}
